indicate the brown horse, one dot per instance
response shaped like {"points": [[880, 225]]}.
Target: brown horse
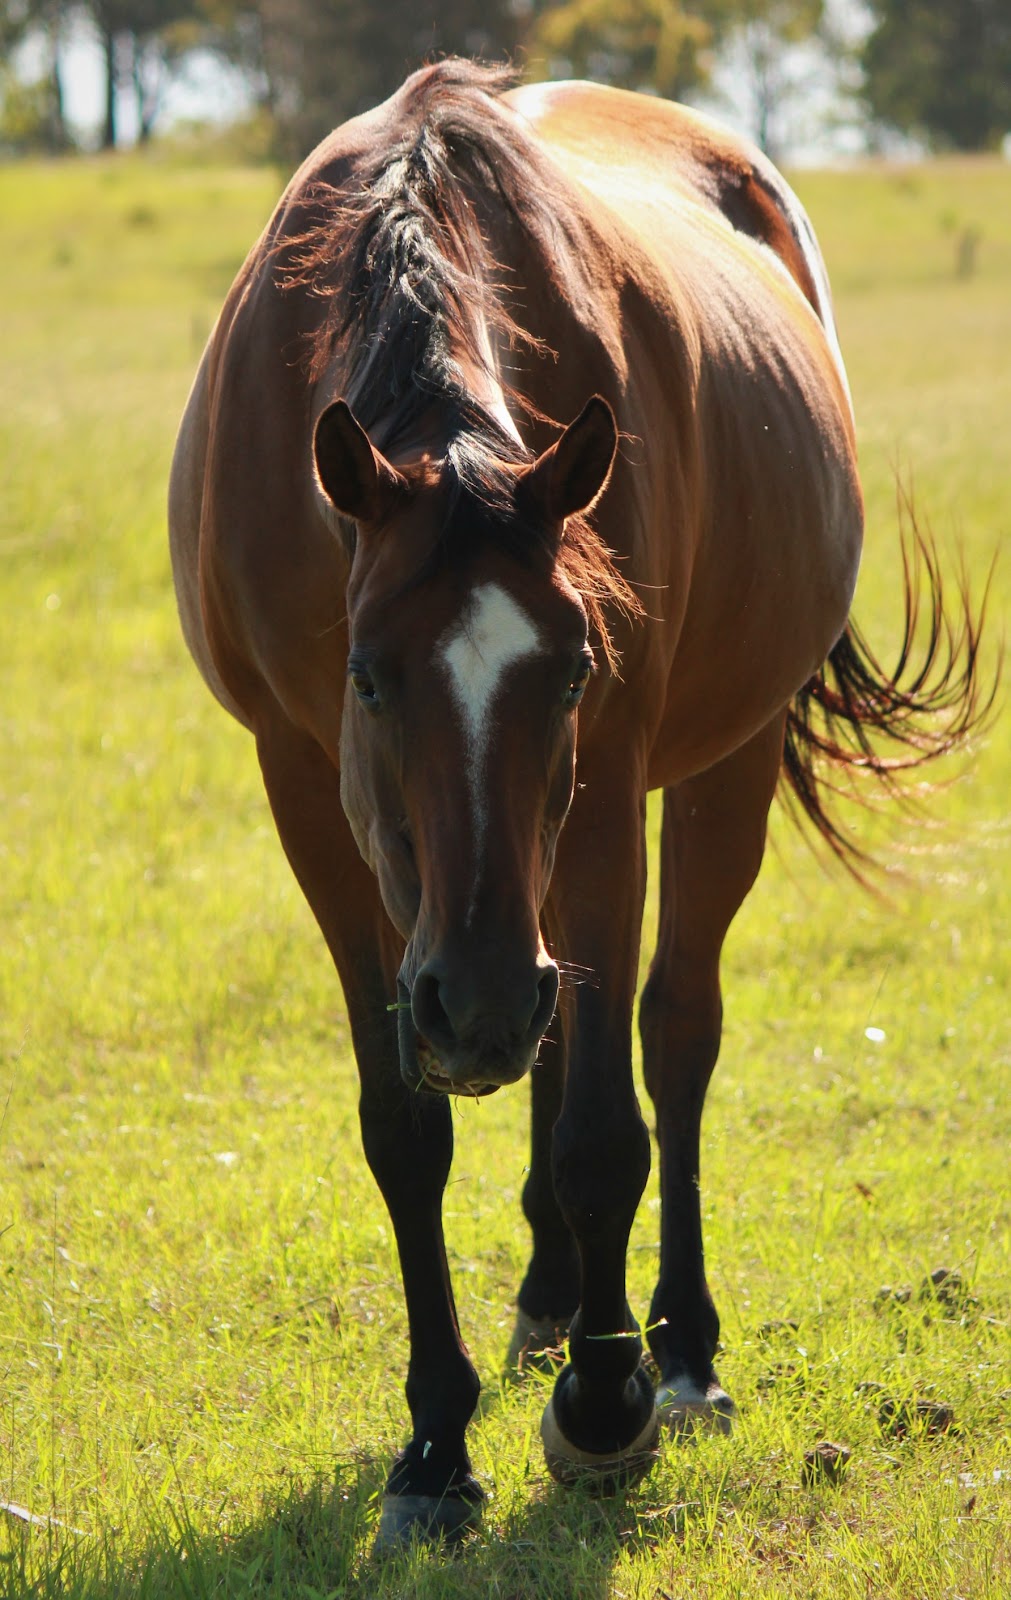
{"points": [[453, 626]]}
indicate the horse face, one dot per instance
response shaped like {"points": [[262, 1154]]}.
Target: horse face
{"points": [[457, 759], [458, 751]]}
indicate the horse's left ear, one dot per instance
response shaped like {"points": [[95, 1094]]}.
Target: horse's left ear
{"points": [[356, 477], [570, 475]]}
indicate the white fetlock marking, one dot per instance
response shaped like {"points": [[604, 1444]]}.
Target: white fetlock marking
{"points": [[683, 1405], [555, 1443], [534, 1335]]}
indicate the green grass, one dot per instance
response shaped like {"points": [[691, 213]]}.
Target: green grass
{"points": [[202, 1337]]}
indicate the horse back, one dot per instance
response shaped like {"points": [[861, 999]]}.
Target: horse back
{"points": [[626, 145]]}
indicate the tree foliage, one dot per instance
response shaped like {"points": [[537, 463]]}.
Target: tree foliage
{"points": [[669, 46], [317, 62], [762, 32], [31, 114], [143, 42], [941, 68], [655, 44]]}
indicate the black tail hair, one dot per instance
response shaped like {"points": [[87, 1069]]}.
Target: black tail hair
{"points": [[931, 703]]}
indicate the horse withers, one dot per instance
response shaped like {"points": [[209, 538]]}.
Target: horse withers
{"points": [[468, 640]]}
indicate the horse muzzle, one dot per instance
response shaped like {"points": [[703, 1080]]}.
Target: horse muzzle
{"points": [[457, 1037]]}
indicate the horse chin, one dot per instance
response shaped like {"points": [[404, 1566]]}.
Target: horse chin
{"points": [[430, 1076]]}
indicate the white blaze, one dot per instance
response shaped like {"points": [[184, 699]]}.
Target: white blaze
{"points": [[477, 652]]}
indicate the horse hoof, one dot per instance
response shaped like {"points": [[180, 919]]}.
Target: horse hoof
{"points": [[602, 1474], [684, 1408], [428, 1518], [537, 1343]]}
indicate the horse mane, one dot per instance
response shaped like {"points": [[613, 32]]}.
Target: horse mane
{"points": [[407, 276]]}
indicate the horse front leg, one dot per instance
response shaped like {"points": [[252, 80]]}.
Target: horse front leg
{"points": [[549, 1293], [407, 1137], [408, 1142], [601, 1420]]}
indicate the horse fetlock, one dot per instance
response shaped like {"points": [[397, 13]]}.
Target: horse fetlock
{"points": [[441, 1406], [600, 1439], [603, 1360], [684, 1332], [599, 1418], [432, 1468]]}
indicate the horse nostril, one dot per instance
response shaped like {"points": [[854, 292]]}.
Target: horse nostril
{"points": [[547, 999], [429, 1013]]}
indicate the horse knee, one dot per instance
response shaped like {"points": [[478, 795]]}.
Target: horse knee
{"points": [[600, 1171], [409, 1147], [538, 1199], [652, 1007]]}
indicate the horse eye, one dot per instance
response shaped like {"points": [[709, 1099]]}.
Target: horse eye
{"points": [[574, 693], [364, 688]]}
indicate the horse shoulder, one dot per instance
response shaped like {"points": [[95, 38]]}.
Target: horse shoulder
{"points": [[259, 574]]}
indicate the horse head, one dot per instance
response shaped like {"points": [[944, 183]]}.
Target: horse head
{"points": [[469, 656]]}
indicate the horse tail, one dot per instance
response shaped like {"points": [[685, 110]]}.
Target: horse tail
{"points": [[842, 722]]}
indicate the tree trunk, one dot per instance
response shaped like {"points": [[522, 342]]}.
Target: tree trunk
{"points": [[61, 138], [148, 74], [109, 52], [764, 83]]}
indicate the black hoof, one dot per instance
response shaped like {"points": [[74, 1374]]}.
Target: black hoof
{"points": [[620, 1461], [429, 1518]]}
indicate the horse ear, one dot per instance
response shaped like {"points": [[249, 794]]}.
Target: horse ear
{"points": [[356, 477], [570, 475]]}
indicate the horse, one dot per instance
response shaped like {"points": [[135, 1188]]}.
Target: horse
{"points": [[518, 479]]}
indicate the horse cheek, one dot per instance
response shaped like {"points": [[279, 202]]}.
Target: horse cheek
{"points": [[561, 787], [358, 796]]}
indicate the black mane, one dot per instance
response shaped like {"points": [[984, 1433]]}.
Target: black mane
{"points": [[401, 261], [408, 278]]}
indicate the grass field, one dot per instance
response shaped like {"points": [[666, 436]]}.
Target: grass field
{"points": [[202, 1339]]}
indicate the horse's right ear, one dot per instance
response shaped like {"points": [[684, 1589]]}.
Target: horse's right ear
{"points": [[356, 478], [573, 472]]}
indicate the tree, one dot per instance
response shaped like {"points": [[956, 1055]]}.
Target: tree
{"points": [[763, 34], [142, 42], [941, 69], [670, 46], [317, 62], [634, 44], [38, 106]]}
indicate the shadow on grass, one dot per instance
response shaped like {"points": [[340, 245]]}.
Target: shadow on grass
{"points": [[313, 1541]]}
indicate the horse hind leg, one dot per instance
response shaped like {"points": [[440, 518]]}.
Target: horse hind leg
{"points": [[712, 842]]}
